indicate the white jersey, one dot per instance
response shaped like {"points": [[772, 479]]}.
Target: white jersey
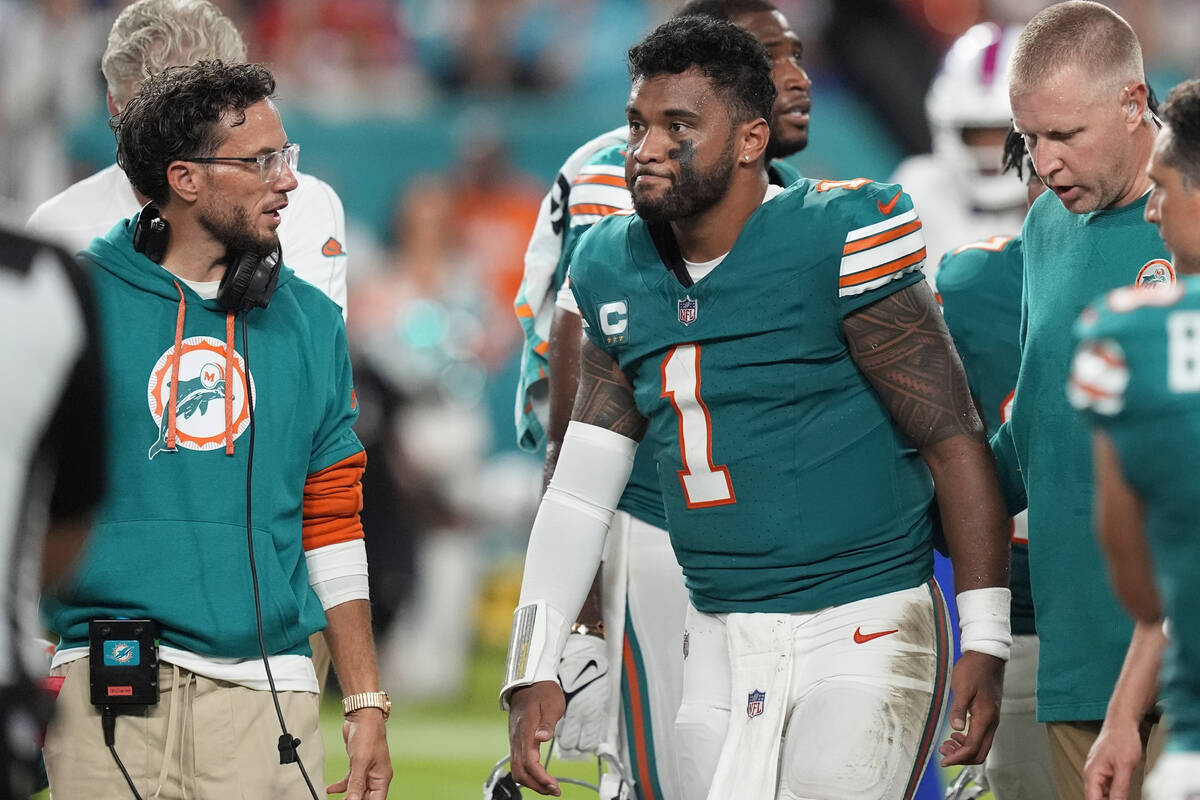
{"points": [[50, 463], [948, 215], [312, 231]]}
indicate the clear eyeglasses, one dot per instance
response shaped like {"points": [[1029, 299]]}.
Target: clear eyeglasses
{"points": [[270, 165]]}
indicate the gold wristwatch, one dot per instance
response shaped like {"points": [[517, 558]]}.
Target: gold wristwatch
{"points": [[380, 700]]}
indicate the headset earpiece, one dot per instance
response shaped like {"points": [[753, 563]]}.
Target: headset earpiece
{"points": [[151, 234], [249, 281]]}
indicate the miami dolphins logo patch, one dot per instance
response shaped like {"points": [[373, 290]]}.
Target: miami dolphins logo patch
{"points": [[200, 397], [1158, 272]]}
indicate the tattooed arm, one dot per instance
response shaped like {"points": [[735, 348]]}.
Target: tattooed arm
{"points": [[605, 395], [902, 346]]}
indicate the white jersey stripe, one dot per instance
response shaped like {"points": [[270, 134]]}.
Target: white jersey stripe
{"points": [[859, 288], [878, 256], [600, 169], [880, 227], [585, 219]]}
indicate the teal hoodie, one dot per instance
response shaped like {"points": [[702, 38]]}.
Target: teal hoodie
{"points": [[169, 541]]}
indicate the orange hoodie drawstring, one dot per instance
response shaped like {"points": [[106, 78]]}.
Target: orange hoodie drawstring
{"points": [[173, 396], [229, 333], [173, 399]]}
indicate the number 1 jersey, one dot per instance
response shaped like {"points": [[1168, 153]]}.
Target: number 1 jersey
{"points": [[787, 486]]}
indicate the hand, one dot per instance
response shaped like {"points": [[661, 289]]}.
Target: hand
{"points": [[976, 685], [533, 712], [581, 672], [1114, 756], [370, 761]]}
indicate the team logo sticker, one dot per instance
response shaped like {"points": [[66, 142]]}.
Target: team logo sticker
{"points": [[1158, 272], [122, 653], [755, 703], [200, 399], [687, 310]]}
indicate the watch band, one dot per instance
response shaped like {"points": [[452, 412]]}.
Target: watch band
{"points": [[380, 700], [596, 629]]}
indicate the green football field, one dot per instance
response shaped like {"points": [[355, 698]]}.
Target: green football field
{"points": [[444, 751]]}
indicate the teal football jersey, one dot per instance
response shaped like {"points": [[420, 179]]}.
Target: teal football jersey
{"points": [[1069, 260], [597, 191], [979, 286], [1136, 375], [787, 486]]}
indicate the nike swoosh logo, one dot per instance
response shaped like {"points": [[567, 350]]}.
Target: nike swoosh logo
{"points": [[591, 663], [568, 696], [863, 638], [886, 208]]}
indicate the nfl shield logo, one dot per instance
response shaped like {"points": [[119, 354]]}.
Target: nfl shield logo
{"points": [[754, 704], [687, 310]]}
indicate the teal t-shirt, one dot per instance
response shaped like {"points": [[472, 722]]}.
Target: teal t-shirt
{"points": [[1069, 260], [787, 486], [979, 286], [1136, 375]]}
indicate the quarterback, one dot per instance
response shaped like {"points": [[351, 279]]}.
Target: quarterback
{"points": [[780, 355], [632, 626]]}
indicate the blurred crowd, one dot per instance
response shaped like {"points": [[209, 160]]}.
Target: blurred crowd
{"points": [[430, 315]]}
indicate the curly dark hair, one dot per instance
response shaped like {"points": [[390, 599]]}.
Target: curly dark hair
{"points": [[175, 115], [724, 9], [727, 55], [1181, 113]]}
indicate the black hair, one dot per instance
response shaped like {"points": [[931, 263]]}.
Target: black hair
{"points": [[175, 116], [1015, 157], [1181, 113], [724, 9], [732, 59]]}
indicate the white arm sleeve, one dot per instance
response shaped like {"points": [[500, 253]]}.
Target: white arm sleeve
{"points": [[565, 548], [338, 572]]}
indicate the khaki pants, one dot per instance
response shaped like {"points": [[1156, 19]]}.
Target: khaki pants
{"points": [[204, 739], [322, 659], [1069, 746]]}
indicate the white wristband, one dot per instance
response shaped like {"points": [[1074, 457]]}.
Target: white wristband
{"points": [[983, 621]]}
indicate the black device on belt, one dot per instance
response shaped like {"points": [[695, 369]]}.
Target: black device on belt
{"points": [[124, 662]]}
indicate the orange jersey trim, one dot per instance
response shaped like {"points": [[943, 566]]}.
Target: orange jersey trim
{"points": [[889, 235], [607, 180], [1091, 391], [594, 208], [878, 272], [332, 501]]}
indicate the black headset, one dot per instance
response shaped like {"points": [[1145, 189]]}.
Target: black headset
{"points": [[249, 281]]}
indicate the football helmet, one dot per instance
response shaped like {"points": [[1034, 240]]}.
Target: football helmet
{"points": [[611, 781], [970, 93], [969, 784]]}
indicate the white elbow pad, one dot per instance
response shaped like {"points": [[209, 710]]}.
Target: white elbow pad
{"points": [[565, 548]]}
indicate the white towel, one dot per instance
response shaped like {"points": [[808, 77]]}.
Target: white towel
{"points": [[760, 661]]}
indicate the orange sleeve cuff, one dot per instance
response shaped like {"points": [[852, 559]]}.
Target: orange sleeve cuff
{"points": [[332, 500]]}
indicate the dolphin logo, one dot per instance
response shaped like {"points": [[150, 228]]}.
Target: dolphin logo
{"points": [[194, 396]]}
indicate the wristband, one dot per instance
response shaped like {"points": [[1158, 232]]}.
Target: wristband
{"points": [[983, 621], [534, 648]]}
